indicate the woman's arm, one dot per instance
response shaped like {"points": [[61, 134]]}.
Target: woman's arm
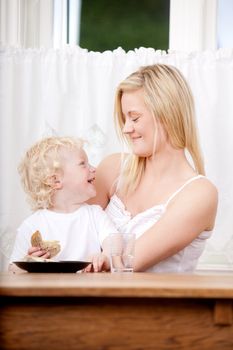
{"points": [[105, 178], [191, 212]]}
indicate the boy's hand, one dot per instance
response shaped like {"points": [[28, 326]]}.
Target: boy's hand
{"points": [[38, 252], [100, 262], [53, 247]]}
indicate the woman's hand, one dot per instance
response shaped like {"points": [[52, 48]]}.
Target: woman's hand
{"points": [[100, 262], [38, 252]]}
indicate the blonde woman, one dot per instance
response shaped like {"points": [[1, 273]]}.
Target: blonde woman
{"points": [[155, 191], [58, 180]]}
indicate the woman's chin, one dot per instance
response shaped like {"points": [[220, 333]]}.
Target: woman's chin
{"points": [[142, 153]]}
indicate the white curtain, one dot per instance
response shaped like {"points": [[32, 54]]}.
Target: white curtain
{"points": [[40, 23], [71, 91], [193, 25]]}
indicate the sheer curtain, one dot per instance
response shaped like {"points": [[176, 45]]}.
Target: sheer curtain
{"points": [[71, 92], [193, 24]]}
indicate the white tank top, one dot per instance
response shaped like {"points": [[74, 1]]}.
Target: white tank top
{"points": [[183, 261]]}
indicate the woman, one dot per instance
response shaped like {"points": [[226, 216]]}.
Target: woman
{"points": [[155, 191]]}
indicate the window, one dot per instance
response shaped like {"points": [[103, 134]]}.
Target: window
{"points": [[106, 25], [225, 24]]}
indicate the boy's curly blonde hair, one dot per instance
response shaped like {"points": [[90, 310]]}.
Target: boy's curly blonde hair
{"points": [[41, 162]]}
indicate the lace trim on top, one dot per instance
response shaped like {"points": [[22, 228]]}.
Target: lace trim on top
{"points": [[121, 206]]}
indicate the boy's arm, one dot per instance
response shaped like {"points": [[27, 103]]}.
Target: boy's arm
{"points": [[21, 244], [100, 262]]}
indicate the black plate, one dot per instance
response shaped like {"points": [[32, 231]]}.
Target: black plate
{"points": [[52, 266]]}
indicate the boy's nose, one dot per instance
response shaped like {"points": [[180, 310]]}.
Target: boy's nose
{"points": [[92, 169]]}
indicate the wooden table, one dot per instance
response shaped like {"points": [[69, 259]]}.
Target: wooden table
{"points": [[116, 311]]}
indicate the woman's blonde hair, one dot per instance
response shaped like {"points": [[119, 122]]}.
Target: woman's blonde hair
{"points": [[39, 164], [169, 98]]}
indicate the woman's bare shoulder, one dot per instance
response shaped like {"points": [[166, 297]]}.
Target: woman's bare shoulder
{"points": [[112, 159], [203, 187], [200, 188], [109, 168], [107, 173], [200, 197], [209, 191]]}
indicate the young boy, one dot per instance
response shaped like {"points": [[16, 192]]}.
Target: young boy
{"points": [[58, 181]]}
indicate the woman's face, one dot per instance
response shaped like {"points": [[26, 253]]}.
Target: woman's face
{"points": [[144, 132]]}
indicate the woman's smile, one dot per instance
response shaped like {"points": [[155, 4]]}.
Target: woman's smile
{"points": [[135, 138]]}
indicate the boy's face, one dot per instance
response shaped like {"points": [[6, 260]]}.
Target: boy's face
{"points": [[77, 175]]}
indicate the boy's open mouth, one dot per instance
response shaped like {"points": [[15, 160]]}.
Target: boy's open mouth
{"points": [[91, 180]]}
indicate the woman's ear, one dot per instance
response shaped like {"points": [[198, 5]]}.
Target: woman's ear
{"points": [[54, 181]]}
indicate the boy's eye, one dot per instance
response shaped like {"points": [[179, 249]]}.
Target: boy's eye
{"points": [[82, 163]]}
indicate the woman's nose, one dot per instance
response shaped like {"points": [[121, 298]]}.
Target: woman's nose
{"points": [[128, 127]]}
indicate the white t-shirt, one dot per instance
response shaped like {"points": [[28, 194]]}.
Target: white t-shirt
{"points": [[80, 233]]}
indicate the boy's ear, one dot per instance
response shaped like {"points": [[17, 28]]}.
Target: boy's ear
{"points": [[54, 181]]}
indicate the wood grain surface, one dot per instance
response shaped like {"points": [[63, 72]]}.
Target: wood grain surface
{"points": [[113, 312], [217, 285]]}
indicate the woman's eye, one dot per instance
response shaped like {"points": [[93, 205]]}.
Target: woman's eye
{"points": [[135, 119]]}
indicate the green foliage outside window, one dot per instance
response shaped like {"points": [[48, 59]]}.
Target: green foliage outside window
{"points": [[108, 24]]}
